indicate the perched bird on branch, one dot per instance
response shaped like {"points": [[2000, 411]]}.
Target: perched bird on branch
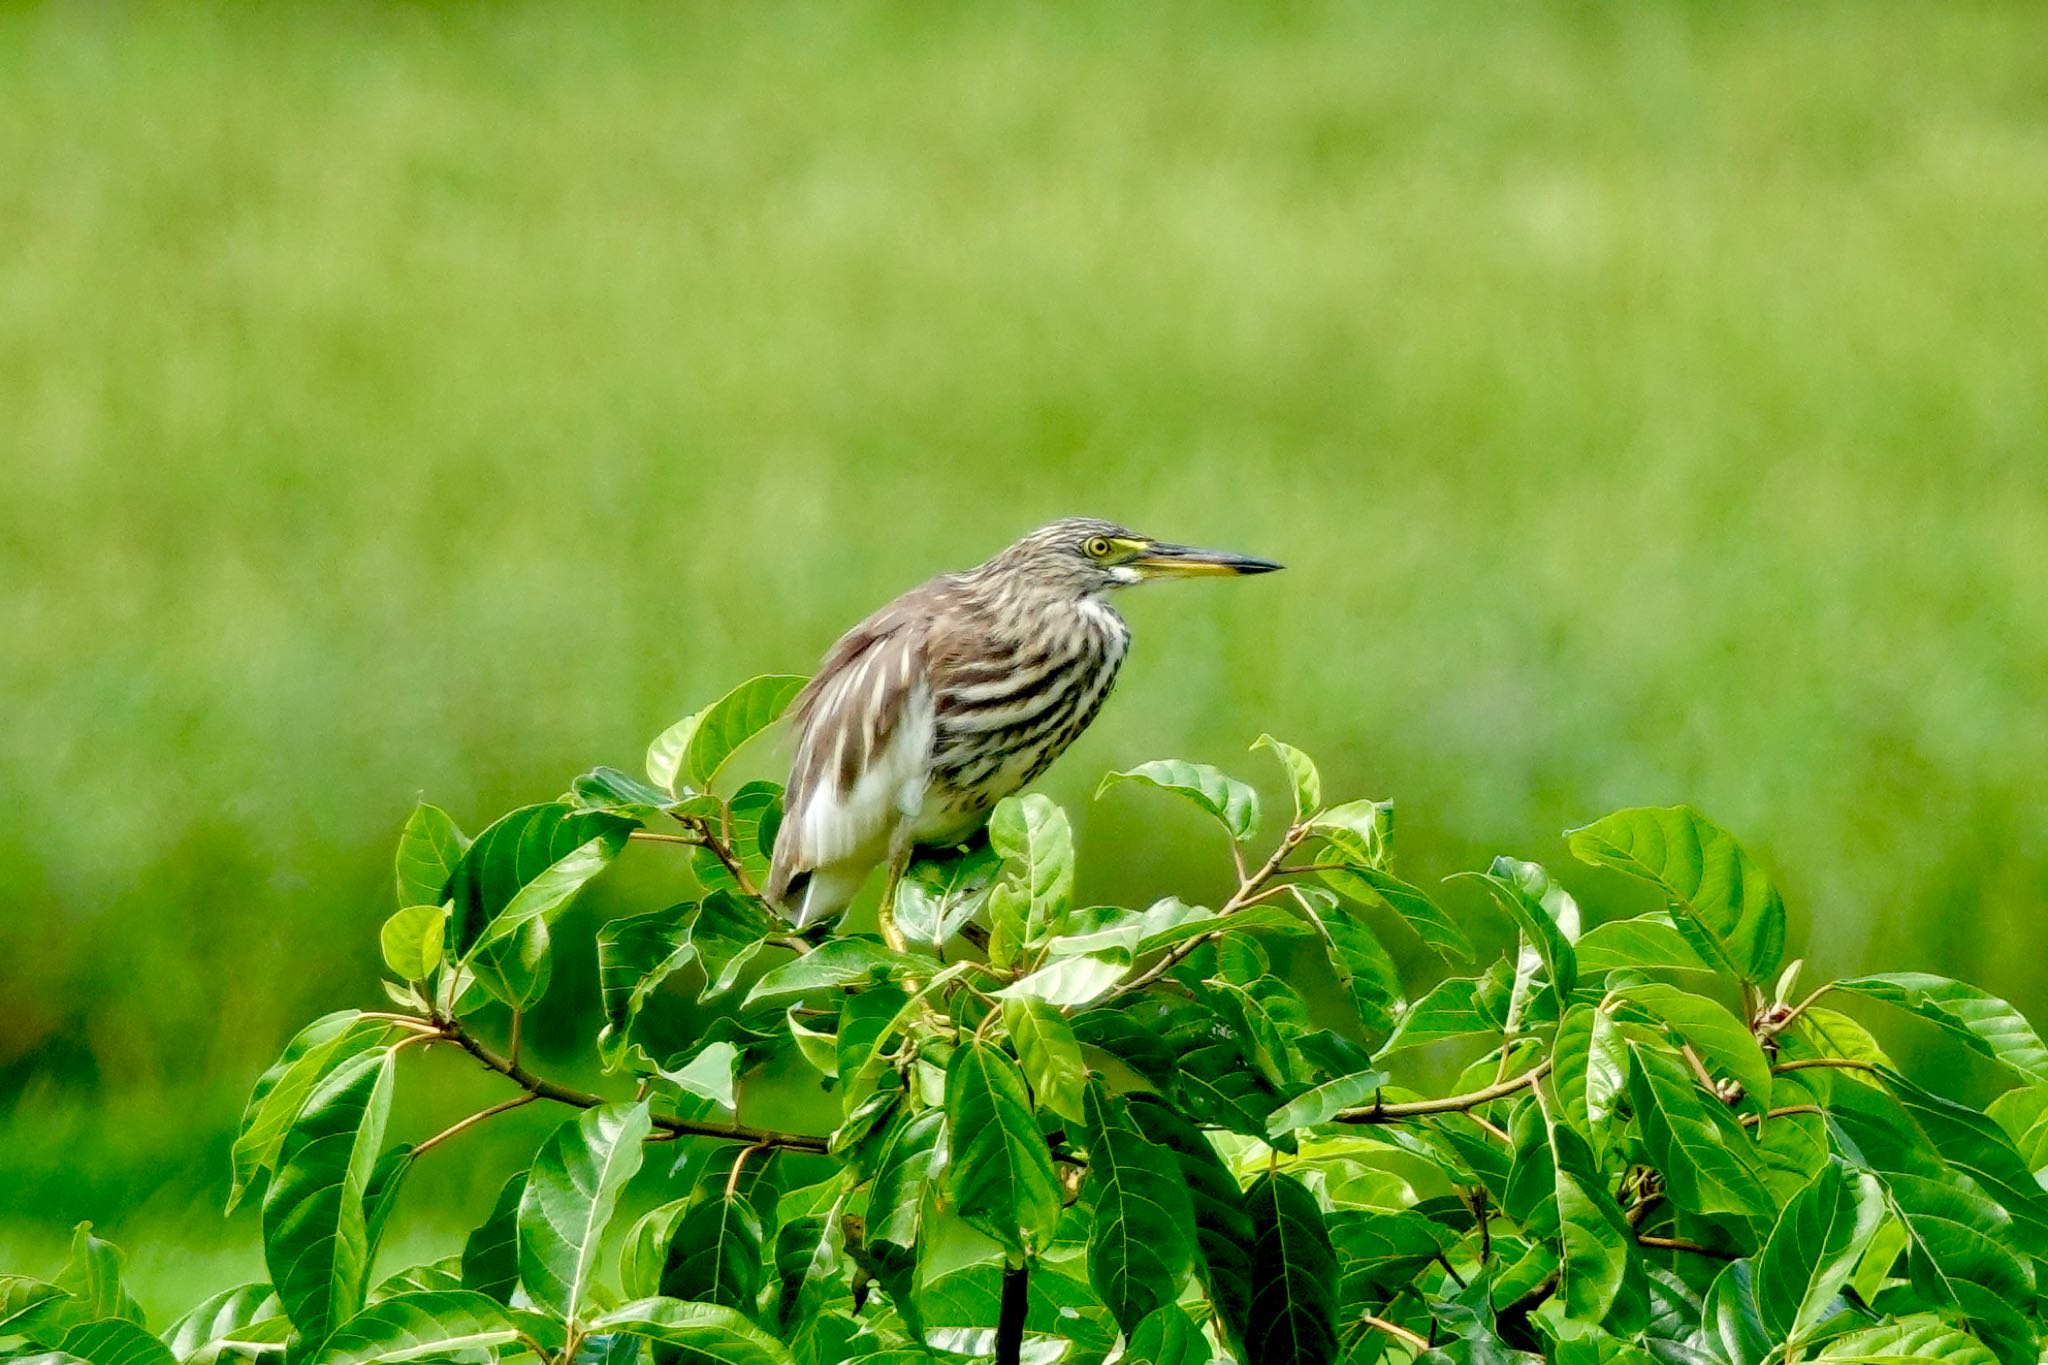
{"points": [[954, 696]]}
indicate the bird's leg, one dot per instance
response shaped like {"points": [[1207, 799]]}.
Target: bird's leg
{"points": [[885, 915]]}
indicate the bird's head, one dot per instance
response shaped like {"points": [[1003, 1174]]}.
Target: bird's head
{"points": [[1087, 557]]}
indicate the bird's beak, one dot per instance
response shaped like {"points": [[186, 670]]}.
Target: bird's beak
{"points": [[1185, 561]]}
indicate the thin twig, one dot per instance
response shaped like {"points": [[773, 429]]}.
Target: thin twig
{"points": [[1381, 1112], [1248, 890], [1837, 1063], [1751, 1120], [463, 1125], [739, 1164], [518, 1026], [1414, 1341], [650, 836], [454, 1032], [1681, 1244]]}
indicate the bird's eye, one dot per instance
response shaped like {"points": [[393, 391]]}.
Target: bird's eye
{"points": [[1098, 547]]}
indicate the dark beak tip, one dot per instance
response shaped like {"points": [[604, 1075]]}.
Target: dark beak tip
{"points": [[1251, 566]]}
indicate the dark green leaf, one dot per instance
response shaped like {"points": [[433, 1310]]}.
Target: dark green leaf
{"points": [[570, 1193], [714, 1255], [1294, 1277], [1000, 1175], [428, 849], [1167, 1336], [490, 1256], [429, 1324], [1815, 1247], [1363, 969], [726, 933], [1711, 881], [1454, 1008], [635, 954], [525, 867], [1223, 1230], [1232, 803], [1141, 1243], [315, 1229]]}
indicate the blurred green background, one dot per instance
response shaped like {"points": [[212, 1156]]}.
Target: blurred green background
{"points": [[1649, 400]]}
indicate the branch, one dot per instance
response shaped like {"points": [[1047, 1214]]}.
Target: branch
{"points": [[1248, 890], [1414, 1341], [1681, 1244], [1751, 1120], [464, 1125], [542, 1088], [1381, 1112], [1010, 1316], [1838, 1063]]}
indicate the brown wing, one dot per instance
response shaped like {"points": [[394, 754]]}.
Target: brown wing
{"points": [[864, 727]]}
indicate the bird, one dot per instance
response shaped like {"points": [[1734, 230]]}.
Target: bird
{"points": [[955, 695]]}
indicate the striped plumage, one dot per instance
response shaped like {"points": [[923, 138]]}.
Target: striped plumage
{"points": [[953, 696]]}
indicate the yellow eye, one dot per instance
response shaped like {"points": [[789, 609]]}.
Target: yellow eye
{"points": [[1098, 548]]}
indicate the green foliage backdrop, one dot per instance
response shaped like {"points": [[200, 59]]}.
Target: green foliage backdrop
{"points": [[1649, 403]]}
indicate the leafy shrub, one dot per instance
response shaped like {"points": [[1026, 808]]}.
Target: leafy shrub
{"points": [[1097, 1133]]}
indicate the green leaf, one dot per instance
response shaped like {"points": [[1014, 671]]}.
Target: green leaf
{"points": [[94, 1276], [1070, 982], [1324, 1102], [1591, 1068], [726, 934], [1232, 803], [1031, 835], [114, 1341], [525, 867], [1372, 886], [833, 965], [211, 1326], [412, 941], [1542, 911], [1362, 967], [1302, 776], [1167, 1336], [1294, 1277], [635, 954], [315, 1230], [490, 1255], [1223, 1230], [1983, 1022], [421, 1325], [752, 820], [897, 1195], [1142, 1239], [428, 849], [940, 893], [1595, 1247], [1454, 1008], [37, 1309], [1712, 882], [570, 1194], [1048, 1053], [609, 790], [714, 1256], [728, 723], [696, 1333], [1815, 1248], [1721, 1039], [1921, 1337], [1647, 941], [1707, 1161], [281, 1091], [1000, 1176]]}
